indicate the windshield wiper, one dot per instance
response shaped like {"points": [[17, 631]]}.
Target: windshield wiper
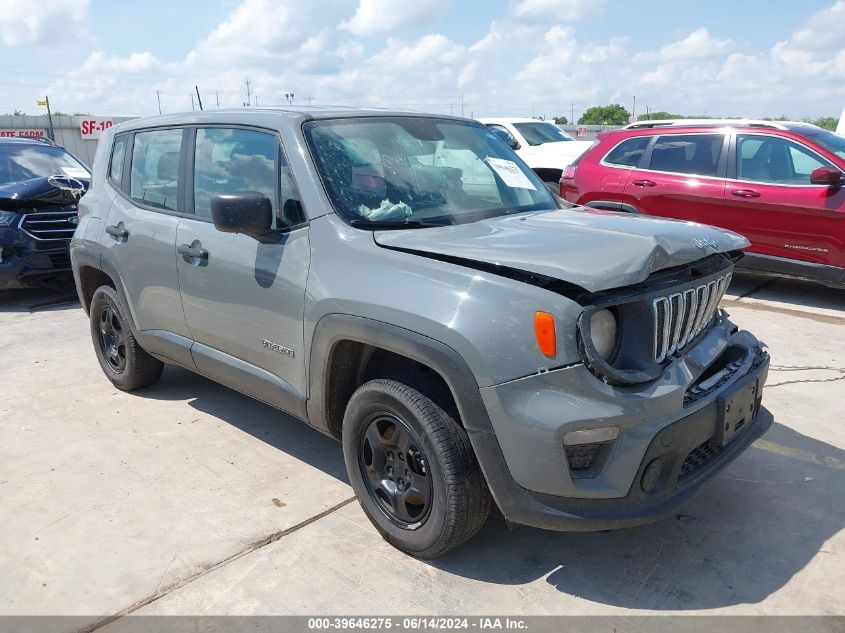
{"points": [[362, 223]]}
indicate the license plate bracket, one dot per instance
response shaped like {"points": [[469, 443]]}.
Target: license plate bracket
{"points": [[737, 409]]}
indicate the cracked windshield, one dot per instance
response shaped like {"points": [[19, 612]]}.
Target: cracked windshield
{"points": [[421, 171]]}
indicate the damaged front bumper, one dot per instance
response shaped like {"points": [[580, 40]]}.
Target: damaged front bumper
{"points": [[653, 447], [29, 262]]}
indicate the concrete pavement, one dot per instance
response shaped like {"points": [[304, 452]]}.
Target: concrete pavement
{"points": [[189, 498]]}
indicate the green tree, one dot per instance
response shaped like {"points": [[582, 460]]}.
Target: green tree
{"points": [[660, 114], [613, 114], [827, 122], [561, 120]]}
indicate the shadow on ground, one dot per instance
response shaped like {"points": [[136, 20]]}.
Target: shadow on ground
{"points": [[792, 292], [746, 534], [37, 299], [263, 422]]}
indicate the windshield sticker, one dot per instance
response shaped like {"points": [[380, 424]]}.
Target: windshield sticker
{"points": [[75, 172], [510, 173]]}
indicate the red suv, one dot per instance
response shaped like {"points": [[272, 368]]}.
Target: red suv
{"points": [[781, 185]]}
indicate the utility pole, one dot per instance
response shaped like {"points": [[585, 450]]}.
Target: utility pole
{"points": [[572, 113], [217, 96], [199, 99], [462, 104], [634, 110], [193, 106], [256, 100], [158, 97], [248, 93], [50, 118]]}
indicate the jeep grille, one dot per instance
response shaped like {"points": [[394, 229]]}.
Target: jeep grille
{"points": [[681, 316]]}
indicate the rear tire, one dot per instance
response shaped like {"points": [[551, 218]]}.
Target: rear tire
{"points": [[413, 469], [122, 359]]}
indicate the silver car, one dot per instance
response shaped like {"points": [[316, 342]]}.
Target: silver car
{"points": [[406, 284]]}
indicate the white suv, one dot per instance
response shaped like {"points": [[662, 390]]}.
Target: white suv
{"points": [[543, 146]]}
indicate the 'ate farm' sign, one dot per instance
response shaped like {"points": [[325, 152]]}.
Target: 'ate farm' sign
{"points": [[15, 132]]}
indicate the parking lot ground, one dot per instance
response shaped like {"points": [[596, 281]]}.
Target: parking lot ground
{"points": [[189, 498]]}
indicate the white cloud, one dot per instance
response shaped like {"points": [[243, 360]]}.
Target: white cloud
{"points": [[519, 67], [823, 30], [549, 11], [44, 22], [383, 16], [697, 45]]}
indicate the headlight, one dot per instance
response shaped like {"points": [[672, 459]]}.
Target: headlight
{"points": [[603, 332], [7, 217]]}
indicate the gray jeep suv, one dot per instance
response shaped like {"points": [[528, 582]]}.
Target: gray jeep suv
{"points": [[407, 285]]}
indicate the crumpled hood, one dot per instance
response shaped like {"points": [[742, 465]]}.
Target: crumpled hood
{"points": [[55, 191], [594, 249]]}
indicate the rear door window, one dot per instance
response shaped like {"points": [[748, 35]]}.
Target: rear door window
{"points": [[775, 160], [629, 152], [154, 176], [696, 154]]}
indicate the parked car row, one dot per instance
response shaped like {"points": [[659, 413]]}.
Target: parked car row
{"points": [[40, 187], [779, 184], [406, 284]]}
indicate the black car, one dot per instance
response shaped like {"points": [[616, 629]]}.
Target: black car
{"points": [[40, 187]]}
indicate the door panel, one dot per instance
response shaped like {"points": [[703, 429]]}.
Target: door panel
{"points": [[806, 223], [244, 298], [141, 242], [146, 261], [683, 178], [247, 299], [774, 205]]}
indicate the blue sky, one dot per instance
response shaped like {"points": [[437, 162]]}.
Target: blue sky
{"points": [[504, 57]]}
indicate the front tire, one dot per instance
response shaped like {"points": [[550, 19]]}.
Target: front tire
{"points": [[121, 358], [413, 469]]}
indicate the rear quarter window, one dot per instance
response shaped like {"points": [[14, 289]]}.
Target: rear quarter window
{"points": [[118, 154], [629, 152]]}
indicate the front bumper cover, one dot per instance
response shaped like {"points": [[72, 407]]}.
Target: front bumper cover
{"points": [[685, 435]]}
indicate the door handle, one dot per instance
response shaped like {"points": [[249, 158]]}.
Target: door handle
{"points": [[745, 193], [644, 183], [194, 251], [118, 230]]}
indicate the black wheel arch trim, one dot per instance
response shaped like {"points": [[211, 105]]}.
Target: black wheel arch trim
{"points": [[335, 328]]}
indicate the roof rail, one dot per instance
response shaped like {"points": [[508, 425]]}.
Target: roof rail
{"points": [[776, 125]]}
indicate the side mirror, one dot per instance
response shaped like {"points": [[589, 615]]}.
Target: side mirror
{"points": [[506, 137], [829, 176], [247, 212]]}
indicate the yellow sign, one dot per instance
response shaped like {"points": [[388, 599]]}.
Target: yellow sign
{"points": [[41, 102]]}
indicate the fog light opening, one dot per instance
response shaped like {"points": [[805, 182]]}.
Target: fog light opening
{"points": [[651, 475]]}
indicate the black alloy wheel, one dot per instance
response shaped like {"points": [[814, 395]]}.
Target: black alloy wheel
{"points": [[395, 470], [412, 466], [122, 359], [112, 338]]}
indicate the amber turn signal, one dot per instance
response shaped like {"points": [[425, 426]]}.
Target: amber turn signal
{"points": [[544, 330]]}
